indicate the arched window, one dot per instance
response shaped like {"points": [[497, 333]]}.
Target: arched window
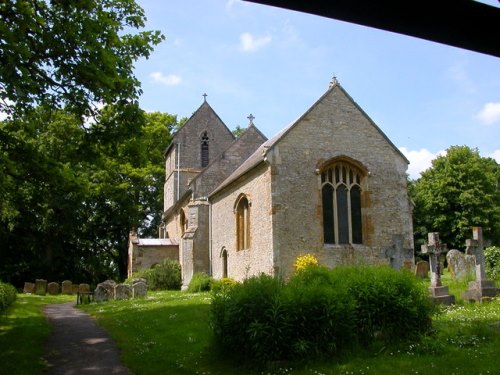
{"points": [[204, 150], [242, 224], [224, 262], [341, 201]]}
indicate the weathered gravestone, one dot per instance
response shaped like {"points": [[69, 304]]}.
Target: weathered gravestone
{"points": [[109, 287], [139, 289], [481, 288], [75, 288], [40, 287], [29, 288], [422, 269], [439, 293], [67, 287], [460, 265], [123, 291], [397, 254], [102, 294], [53, 288]]}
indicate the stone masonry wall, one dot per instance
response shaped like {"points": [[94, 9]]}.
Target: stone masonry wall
{"points": [[336, 127], [258, 258]]}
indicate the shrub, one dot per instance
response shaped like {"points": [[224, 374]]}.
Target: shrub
{"points": [[492, 260], [200, 282], [163, 276], [319, 312], [8, 295], [304, 261]]}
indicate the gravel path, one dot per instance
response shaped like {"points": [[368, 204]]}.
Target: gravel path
{"points": [[77, 345]]}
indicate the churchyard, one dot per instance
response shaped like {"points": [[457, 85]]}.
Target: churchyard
{"points": [[168, 332]]}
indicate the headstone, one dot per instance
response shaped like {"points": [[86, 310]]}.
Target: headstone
{"points": [[40, 287], [53, 288], [439, 293], [422, 269], [139, 289], [110, 286], [460, 265], [84, 288], [67, 287], [123, 291], [481, 288], [102, 293], [29, 288], [75, 288], [397, 254]]}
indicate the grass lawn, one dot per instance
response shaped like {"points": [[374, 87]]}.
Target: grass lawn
{"points": [[168, 333], [23, 329]]}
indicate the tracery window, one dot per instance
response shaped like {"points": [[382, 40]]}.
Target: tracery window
{"points": [[242, 223], [341, 201], [204, 150]]}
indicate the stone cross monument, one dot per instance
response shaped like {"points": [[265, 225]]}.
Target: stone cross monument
{"points": [[433, 248], [481, 287]]}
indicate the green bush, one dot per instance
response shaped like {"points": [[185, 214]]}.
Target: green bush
{"points": [[8, 295], [200, 282], [222, 285], [319, 312], [163, 276], [492, 260]]}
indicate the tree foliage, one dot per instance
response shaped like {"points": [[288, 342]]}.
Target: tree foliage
{"points": [[72, 193], [459, 191], [70, 53]]}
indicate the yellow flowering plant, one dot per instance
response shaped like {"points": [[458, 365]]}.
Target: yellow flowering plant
{"points": [[304, 261]]}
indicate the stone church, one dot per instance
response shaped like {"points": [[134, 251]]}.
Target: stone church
{"points": [[331, 184]]}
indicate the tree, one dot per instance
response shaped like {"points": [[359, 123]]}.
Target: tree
{"points": [[459, 191], [68, 53], [70, 194]]}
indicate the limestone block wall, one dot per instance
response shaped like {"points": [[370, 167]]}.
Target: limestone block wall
{"points": [[229, 160], [335, 127], [258, 257], [143, 257]]}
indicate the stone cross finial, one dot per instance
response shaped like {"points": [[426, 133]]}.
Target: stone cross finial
{"points": [[475, 246], [334, 81], [433, 248], [205, 97], [251, 118]]}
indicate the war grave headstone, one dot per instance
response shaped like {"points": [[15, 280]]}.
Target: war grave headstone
{"points": [[433, 248]]}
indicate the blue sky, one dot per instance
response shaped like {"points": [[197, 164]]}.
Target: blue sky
{"points": [[275, 63]]}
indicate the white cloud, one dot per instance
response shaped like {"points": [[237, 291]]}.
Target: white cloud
{"points": [[420, 160], [489, 114], [496, 155], [250, 43], [169, 80]]}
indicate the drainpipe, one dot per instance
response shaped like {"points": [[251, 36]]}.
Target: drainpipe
{"points": [[209, 237], [178, 170]]}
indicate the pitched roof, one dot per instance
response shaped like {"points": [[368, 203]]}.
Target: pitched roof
{"points": [[191, 119], [259, 155]]}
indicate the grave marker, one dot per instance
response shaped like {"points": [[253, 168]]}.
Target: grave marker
{"points": [[439, 293]]}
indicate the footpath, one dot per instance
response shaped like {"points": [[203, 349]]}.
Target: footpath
{"points": [[77, 345]]}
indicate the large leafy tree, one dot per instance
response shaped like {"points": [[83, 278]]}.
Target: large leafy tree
{"points": [[70, 194], [70, 53], [459, 191]]}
